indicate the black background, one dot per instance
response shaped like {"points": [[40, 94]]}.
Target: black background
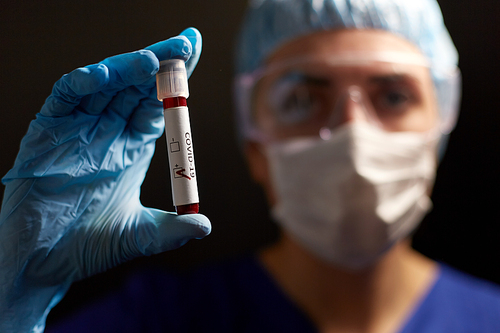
{"points": [[40, 41]]}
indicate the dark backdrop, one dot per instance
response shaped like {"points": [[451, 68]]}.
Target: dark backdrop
{"points": [[40, 41]]}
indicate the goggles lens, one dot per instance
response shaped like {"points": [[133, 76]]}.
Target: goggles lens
{"points": [[303, 97]]}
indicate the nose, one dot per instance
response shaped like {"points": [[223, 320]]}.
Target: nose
{"points": [[351, 106]]}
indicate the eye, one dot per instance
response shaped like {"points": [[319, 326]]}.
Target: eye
{"points": [[296, 106], [394, 95], [395, 99], [295, 98]]}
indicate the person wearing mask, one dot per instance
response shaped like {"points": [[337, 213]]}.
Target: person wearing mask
{"points": [[343, 111]]}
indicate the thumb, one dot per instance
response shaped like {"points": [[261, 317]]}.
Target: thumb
{"points": [[172, 230], [194, 36]]}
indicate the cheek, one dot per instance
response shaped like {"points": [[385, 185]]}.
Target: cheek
{"points": [[421, 121], [428, 117], [260, 112], [259, 169], [430, 113]]}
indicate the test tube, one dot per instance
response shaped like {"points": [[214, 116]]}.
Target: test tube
{"points": [[172, 87]]}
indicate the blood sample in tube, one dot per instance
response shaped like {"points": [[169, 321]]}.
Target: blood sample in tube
{"points": [[173, 90]]}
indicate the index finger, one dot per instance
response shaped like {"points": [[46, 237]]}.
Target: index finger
{"points": [[187, 46], [70, 88]]}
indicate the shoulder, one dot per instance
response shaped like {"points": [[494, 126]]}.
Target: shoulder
{"points": [[460, 286], [458, 302]]}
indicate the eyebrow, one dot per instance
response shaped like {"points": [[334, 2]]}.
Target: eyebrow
{"points": [[392, 78], [316, 80], [377, 79], [304, 78]]}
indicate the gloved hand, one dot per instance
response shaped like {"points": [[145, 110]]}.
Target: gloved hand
{"points": [[71, 206]]}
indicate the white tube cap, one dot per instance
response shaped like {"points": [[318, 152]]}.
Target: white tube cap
{"points": [[171, 79]]}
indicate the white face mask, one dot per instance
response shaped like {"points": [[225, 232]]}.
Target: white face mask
{"points": [[348, 199]]}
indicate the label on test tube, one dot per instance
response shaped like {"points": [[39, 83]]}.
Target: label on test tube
{"points": [[180, 156]]}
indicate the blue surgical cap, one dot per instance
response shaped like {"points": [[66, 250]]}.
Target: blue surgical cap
{"points": [[268, 24]]}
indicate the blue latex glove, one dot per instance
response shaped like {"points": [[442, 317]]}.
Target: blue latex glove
{"points": [[71, 206]]}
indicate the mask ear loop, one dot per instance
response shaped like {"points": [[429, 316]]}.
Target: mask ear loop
{"points": [[363, 111]]}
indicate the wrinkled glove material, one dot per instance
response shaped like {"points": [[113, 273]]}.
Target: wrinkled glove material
{"points": [[71, 205]]}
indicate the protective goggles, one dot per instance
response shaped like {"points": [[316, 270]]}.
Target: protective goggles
{"points": [[311, 96]]}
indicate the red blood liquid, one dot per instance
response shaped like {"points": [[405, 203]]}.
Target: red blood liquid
{"points": [[168, 103], [188, 209], [173, 102]]}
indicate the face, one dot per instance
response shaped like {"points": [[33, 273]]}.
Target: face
{"points": [[305, 93]]}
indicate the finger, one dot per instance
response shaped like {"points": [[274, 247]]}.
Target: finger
{"points": [[101, 82], [172, 230], [70, 88], [194, 36], [146, 122], [130, 69], [125, 102], [178, 47], [134, 71]]}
